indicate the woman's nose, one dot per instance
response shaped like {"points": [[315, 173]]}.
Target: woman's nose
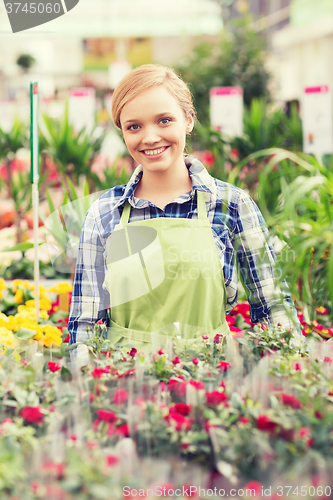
{"points": [[151, 136]]}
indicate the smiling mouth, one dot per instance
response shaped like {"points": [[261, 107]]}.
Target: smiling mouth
{"points": [[154, 152]]}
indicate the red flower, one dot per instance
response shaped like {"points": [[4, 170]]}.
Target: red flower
{"points": [[32, 414], [176, 360], [120, 397], [216, 397], [181, 408], [197, 384], [327, 360], [244, 420], [298, 367], [24, 362], [179, 387], [242, 309], [133, 352], [122, 430], [160, 352], [181, 421], [224, 366], [195, 361], [265, 424], [230, 320], [290, 400], [318, 415], [106, 415], [217, 338], [184, 446], [53, 366], [57, 468], [253, 485], [98, 372]]}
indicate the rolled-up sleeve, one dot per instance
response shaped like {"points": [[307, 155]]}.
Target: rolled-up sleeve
{"points": [[90, 300], [267, 293]]}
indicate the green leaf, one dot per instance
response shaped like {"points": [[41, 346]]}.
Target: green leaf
{"points": [[25, 333], [59, 315], [23, 247], [65, 374]]}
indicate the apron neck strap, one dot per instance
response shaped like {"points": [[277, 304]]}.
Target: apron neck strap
{"points": [[126, 213], [202, 213]]}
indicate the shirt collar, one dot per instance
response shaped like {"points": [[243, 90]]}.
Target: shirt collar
{"points": [[201, 180]]}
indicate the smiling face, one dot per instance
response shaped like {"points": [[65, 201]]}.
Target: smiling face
{"points": [[154, 127]]}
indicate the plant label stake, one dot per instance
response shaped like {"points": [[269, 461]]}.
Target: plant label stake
{"points": [[34, 177]]}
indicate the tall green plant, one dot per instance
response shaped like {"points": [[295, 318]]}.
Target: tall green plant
{"points": [[72, 152], [301, 216]]}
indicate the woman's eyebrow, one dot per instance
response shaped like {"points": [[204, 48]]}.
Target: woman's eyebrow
{"points": [[134, 120]]}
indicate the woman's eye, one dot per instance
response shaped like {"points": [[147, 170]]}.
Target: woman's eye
{"points": [[164, 121], [133, 127]]}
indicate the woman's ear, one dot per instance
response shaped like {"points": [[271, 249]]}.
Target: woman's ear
{"points": [[190, 124]]}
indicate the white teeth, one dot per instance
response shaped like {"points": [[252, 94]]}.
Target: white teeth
{"points": [[152, 152]]}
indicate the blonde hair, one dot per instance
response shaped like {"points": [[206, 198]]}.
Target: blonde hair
{"points": [[145, 77]]}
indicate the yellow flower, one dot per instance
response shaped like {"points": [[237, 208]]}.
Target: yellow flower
{"points": [[44, 304], [3, 286], [61, 288], [18, 298], [4, 320], [7, 339], [49, 334]]}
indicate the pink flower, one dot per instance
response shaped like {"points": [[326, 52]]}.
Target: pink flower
{"points": [[205, 337], [161, 352], [244, 420], [298, 367], [195, 361], [106, 415], [111, 460], [53, 367], [120, 397], [303, 432], [24, 362]]}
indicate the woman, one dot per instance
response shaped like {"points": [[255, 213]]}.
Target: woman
{"points": [[162, 250]]}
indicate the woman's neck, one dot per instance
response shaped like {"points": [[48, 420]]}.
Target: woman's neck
{"points": [[163, 187]]}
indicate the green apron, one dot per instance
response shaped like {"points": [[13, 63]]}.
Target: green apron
{"points": [[165, 280]]}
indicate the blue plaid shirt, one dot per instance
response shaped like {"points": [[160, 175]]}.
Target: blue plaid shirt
{"points": [[239, 231]]}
